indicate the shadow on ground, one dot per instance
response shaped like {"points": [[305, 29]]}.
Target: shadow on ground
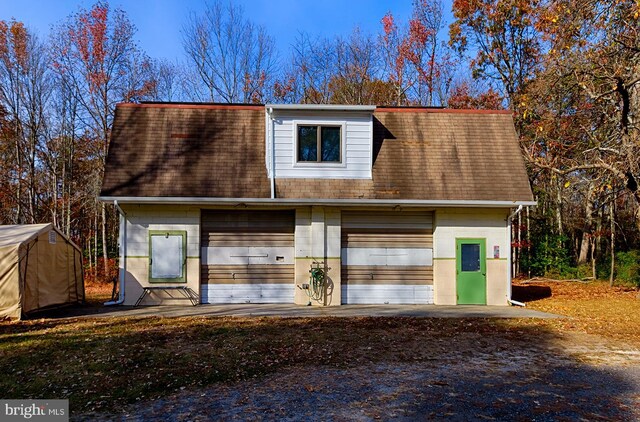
{"points": [[530, 293], [297, 311], [327, 368]]}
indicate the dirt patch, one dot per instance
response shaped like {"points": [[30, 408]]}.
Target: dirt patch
{"points": [[465, 383], [585, 366]]}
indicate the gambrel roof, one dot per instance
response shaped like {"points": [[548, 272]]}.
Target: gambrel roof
{"points": [[218, 151]]}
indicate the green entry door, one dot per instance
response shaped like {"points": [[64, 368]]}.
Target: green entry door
{"points": [[471, 271]]}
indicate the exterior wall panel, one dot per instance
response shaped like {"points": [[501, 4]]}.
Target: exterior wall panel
{"points": [[452, 224], [318, 242], [356, 153], [140, 219]]}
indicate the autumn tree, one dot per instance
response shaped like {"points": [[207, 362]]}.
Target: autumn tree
{"points": [[308, 78], [393, 45], [25, 90], [502, 36], [169, 81], [233, 58], [418, 62], [95, 54], [594, 61], [467, 94]]}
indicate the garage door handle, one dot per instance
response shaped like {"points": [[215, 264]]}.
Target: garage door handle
{"points": [[388, 254], [249, 256], [371, 274]]}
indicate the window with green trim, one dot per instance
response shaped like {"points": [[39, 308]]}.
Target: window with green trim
{"points": [[167, 256]]}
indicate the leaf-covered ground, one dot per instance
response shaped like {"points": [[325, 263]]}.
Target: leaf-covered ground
{"points": [[593, 308], [585, 366]]}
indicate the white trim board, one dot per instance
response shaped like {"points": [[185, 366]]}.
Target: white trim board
{"points": [[177, 200]]}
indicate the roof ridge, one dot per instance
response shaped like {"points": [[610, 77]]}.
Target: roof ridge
{"points": [[439, 110], [245, 106], [209, 106]]}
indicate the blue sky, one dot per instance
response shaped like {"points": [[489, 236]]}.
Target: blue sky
{"points": [[159, 22]]}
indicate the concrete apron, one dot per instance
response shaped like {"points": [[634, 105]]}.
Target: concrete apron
{"points": [[297, 311]]}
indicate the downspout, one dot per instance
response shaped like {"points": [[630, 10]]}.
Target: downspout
{"points": [[272, 158], [123, 254], [509, 258]]}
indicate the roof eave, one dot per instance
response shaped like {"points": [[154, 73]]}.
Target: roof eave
{"points": [[314, 201]]}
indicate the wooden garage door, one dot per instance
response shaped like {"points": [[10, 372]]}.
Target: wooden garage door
{"points": [[387, 257], [247, 256]]}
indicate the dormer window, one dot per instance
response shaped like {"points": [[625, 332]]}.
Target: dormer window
{"points": [[319, 143]]}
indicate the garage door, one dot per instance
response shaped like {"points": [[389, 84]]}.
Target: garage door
{"points": [[387, 257], [247, 256]]}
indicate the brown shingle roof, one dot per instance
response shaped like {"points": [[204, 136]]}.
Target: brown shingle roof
{"points": [[177, 150], [160, 150]]}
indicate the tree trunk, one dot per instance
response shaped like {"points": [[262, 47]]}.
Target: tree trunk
{"points": [[70, 176], [95, 244], [528, 245], [18, 180], [559, 207], [54, 196], [585, 244], [593, 261], [518, 249], [89, 250], [32, 178], [613, 241], [104, 241], [637, 212]]}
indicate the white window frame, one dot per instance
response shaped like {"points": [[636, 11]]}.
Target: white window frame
{"points": [[321, 164]]}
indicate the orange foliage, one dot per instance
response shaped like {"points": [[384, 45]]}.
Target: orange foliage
{"points": [[14, 45], [19, 39], [96, 275], [90, 37], [281, 90], [462, 97], [254, 87]]}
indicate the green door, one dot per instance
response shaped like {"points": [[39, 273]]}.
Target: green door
{"points": [[471, 271]]}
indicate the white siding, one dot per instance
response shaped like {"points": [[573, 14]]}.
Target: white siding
{"points": [[317, 232], [470, 223], [142, 218], [356, 149], [303, 232], [139, 220]]}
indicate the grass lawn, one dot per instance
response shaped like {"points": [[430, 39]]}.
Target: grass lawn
{"points": [[99, 363]]}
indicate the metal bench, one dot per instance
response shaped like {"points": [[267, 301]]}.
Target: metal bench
{"points": [[184, 290]]}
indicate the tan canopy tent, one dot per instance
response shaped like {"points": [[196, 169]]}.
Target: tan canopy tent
{"points": [[39, 267]]}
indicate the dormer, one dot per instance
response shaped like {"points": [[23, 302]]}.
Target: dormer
{"points": [[319, 141]]}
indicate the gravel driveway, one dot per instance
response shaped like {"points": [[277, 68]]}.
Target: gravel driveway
{"points": [[578, 378]]}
